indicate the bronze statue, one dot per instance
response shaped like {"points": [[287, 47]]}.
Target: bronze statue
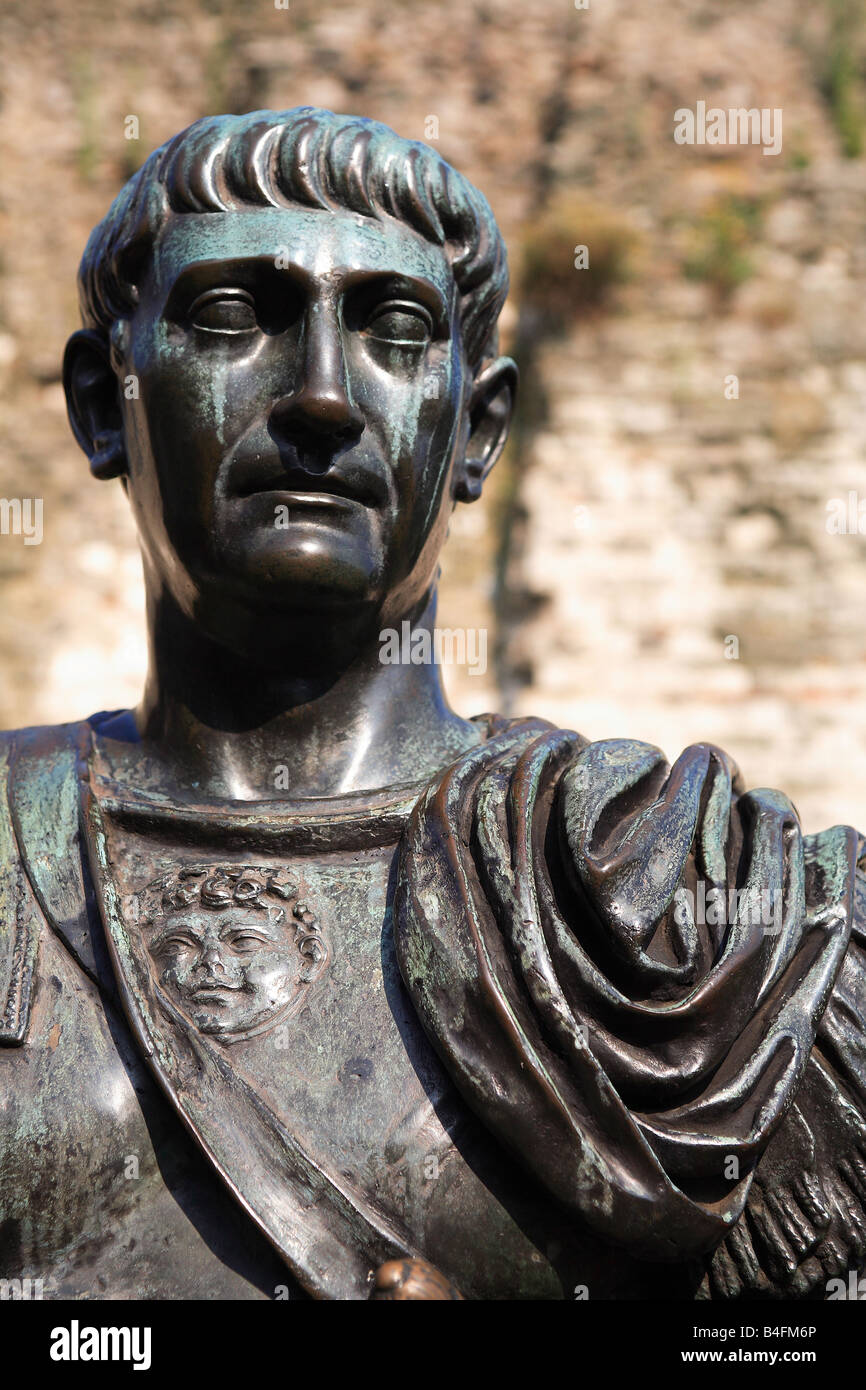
{"points": [[310, 986]]}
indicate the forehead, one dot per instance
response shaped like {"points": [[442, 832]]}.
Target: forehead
{"points": [[203, 920], [316, 242]]}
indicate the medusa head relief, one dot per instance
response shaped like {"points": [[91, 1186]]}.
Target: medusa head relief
{"points": [[233, 946]]}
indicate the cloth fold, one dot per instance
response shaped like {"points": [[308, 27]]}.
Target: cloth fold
{"points": [[623, 964]]}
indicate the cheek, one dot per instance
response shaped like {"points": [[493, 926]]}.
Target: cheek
{"points": [[193, 397], [425, 426], [271, 973], [170, 421], [410, 405], [431, 440], [175, 973], [437, 428], [440, 408]]}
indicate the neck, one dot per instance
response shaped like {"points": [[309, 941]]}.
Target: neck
{"points": [[228, 726]]}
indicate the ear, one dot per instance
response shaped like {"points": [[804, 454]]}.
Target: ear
{"points": [[490, 408], [93, 404]]}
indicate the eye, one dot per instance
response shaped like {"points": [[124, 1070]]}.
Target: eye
{"points": [[224, 311], [178, 941], [400, 322], [244, 943]]}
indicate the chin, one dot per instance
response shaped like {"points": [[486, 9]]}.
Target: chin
{"points": [[309, 562], [295, 581]]}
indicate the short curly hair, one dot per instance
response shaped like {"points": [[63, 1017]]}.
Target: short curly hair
{"points": [[310, 157], [219, 886], [266, 888]]}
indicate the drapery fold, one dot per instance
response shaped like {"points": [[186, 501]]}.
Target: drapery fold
{"points": [[623, 965]]}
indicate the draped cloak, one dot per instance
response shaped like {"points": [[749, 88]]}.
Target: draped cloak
{"points": [[641, 1060]]}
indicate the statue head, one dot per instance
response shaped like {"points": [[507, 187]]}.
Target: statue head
{"points": [[232, 946], [290, 359]]}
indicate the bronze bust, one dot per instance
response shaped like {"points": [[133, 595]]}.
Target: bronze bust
{"points": [[309, 986]]}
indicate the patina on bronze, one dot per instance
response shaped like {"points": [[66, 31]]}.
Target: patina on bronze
{"points": [[310, 986]]}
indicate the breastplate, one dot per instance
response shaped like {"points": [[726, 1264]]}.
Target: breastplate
{"points": [[116, 1196]]}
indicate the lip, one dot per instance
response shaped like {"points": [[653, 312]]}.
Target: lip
{"points": [[330, 501], [354, 481]]}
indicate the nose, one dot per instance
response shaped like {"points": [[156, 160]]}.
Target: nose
{"points": [[322, 404], [210, 961]]}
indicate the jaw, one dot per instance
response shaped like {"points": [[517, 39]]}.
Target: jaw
{"points": [[307, 597]]}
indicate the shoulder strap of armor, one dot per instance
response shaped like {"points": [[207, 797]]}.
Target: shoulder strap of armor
{"points": [[18, 937], [40, 862]]}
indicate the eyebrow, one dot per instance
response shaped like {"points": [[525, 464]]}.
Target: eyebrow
{"points": [[197, 276], [398, 282]]}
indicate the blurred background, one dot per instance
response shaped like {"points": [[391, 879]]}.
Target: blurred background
{"points": [[653, 558]]}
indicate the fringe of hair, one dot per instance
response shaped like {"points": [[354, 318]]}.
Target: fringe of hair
{"points": [[309, 157]]}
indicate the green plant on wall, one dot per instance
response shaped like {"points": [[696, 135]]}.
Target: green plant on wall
{"points": [[842, 74], [718, 243]]}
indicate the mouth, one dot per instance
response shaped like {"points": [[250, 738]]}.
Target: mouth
{"points": [[319, 499], [213, 993], [355, 483]]}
